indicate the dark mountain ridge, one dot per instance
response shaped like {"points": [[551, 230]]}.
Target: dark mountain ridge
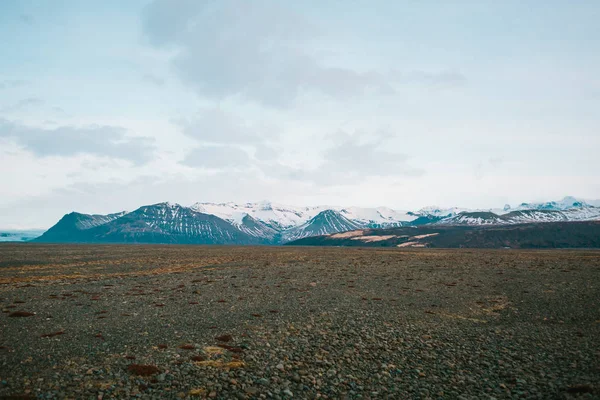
{"points": [[583, 234]]}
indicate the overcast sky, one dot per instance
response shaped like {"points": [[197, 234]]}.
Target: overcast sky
{"points": [[109, 105]]}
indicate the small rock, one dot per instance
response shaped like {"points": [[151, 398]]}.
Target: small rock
{"points": [[251, 390]]}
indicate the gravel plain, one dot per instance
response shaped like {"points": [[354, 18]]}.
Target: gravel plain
{"points": [[179, 322]]}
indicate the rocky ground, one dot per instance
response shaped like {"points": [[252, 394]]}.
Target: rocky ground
{"points": [[161, 322]]}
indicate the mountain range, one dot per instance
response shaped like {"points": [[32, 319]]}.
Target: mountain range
{"points": [[267, 223]]}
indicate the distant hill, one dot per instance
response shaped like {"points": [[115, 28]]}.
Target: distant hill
{"points": [[17, 235]]}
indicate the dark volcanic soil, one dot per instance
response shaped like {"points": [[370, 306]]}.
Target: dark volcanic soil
{"points": [[239, 322]]}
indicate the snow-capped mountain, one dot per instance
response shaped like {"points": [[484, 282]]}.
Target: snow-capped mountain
{"points": [[324, 223], [472, 218], [270, 223], [277, 216], [566, 203], [376, 217], [568, 209], [158, 223], [438, 212], [256, 228], [77, 222]]}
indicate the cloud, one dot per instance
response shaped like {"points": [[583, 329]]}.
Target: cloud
{"points": [[496, 161], [364, 158], [436, 78], [12, 83], [217, 157], [257, 51], [483, 168], [58, 110], [65, 141], [215, 125], [153, 79], [266, 152], [23, 104], [352, 158], [26, 18]]}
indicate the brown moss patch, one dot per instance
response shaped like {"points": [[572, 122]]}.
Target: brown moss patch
{"points": [[232, 349], [53, 334], [187, 346], [224, 338], [20, 314], [142, 370]]}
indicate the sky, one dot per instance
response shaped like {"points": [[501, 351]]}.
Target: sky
{"points": [[110, 105]]}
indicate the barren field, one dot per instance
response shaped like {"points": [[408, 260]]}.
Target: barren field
{"points": [[98, 322]]}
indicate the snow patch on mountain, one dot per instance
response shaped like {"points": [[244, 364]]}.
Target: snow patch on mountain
{"points": [[282, 217], [278, 216], [379, 215]]}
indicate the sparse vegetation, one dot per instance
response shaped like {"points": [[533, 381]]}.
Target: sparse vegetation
{"points": [[400, 322]]}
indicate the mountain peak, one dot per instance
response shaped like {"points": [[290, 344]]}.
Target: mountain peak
{"points": [[324, 223]]}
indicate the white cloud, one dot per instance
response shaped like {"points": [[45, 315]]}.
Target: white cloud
{"points": [[258, 51], [66, 141], [217, 157]]}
